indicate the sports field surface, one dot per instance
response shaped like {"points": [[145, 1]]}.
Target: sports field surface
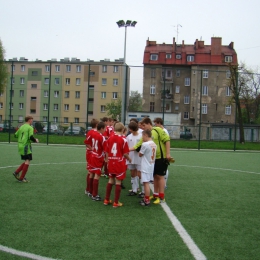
{"points": [[212, 209]]}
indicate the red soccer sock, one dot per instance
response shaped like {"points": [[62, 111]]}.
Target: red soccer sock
{"points": [[87, 182], [161, 196], [156, 195], [108, 190], [117, 192], [90, 185], [95, 187], [25, 169], [19, 168], [147, 199]]}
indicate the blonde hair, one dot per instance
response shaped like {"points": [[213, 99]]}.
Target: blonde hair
{"points": [[119, 127]]}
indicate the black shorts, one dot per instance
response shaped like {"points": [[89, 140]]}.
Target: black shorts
{"points": [[26, 157], [160, 167]]}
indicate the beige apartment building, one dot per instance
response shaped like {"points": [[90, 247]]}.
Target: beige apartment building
{"points": [[61, 92]]}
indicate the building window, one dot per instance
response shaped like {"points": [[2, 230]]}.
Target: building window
{"points": [[46, 93], [22, 67], [67, 94], [56, 94], [55, 106], [45, 106], [228, 58], [228, 74], [187, 82], [77, 107], [57, 68], [103, 94], [168, 56], [77, 81], [176, 107], [78, 68], [205, 74], [33, 98], [104, 82], [47, 68], [57, 81], [46, 81], [12, 93], [186, 100], [20, 119], [21, 80], [1, 105], [1, 94], [151, 106], [153, 71], [13, 80], [77, 94], [104, 68], [55, 119], [44, 118], [34, 73], [67, 81], [177, 89], [167, 74], [152, 89], [115, 82], [228, 110], [204, 90], [115, 68], [66, 120], [178, 56], [114, 95], [190, 58], [66, 107], [12, 67], [76, 120], [33, 85], [154, 57], [186, 115], [103, 108], [228, 91], [68, 68], [178, 73], [204, 109], [21, 93]]}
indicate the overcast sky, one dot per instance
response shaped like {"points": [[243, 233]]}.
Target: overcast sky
{"points": [[85, 29]]}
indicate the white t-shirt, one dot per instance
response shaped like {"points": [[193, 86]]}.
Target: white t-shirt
{"points": [[166, 131], [132, 140], [148, 149]]}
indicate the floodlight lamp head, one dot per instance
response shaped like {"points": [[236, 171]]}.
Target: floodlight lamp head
{"points": [[133, 23], [128, 22], [121, 23]]}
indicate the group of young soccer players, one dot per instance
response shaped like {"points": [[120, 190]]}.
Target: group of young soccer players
{"points": [[111, 145]]}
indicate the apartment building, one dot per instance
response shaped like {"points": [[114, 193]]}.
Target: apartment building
{"points": [[61, 92], [191, 79]]}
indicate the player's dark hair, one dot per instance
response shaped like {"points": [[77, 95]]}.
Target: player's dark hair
{"points": [[147, 132], [101, 125], [27, 118], [104, 119], [158, 120], [134, 120], [94, 123], [133, 126], [147, 120]]}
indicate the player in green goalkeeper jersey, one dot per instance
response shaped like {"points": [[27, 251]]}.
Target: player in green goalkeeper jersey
{"points": [[25, 139]]}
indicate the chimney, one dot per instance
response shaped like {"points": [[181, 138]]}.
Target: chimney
{"points": [[182, 43], [196, 44], [201, 44], [216, 43], [231, 45]]}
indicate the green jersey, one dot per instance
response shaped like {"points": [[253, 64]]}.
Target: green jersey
{"points": [[158, 135], [24, 143]]}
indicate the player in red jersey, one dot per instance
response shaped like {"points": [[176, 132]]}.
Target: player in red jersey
{"points": [[116, 154], [97, 160], [88, 143]]}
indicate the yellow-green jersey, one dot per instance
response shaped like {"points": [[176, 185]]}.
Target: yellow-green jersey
{"points": [[158, 135], [24, 134]]}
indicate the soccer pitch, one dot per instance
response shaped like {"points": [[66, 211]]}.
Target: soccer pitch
{"points": [[211, 212]]}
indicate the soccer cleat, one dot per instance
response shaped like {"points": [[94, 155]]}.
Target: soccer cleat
{"points": [[158, 201], [122, 186], [132, 193], [86, 192], [141, 195], [107, 202], [89, 194], [97, 198], [23, 180], [102, 174], [143, 203], [152, 197], [116, 205], [16, 175]]}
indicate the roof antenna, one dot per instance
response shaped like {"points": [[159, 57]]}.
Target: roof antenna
{"points": [[178, 25]]}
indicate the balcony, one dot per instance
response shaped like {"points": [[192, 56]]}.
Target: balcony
{"points": [[168, 80], [166, 95]]}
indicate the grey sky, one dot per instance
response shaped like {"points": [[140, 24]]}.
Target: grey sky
{"points": [[87, 29]]}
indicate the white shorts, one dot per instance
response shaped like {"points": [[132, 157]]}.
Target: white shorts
{"points": [[146, 177], [134, 166]]}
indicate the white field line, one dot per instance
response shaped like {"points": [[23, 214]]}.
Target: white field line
{"points": [[195, 251], [24, 254]]}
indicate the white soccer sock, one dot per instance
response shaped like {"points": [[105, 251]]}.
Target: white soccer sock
{"points": [[133, 183], [166, 176]]}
